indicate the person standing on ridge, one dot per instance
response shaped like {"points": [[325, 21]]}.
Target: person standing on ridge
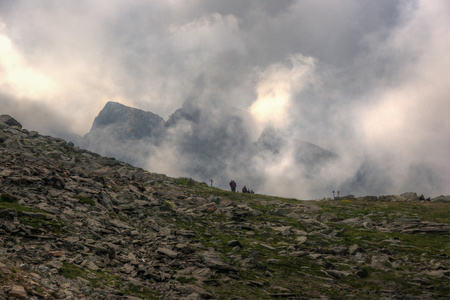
{"points": [[233, 185]]}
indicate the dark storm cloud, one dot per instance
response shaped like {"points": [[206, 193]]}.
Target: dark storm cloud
{"points": [[364, 79]]}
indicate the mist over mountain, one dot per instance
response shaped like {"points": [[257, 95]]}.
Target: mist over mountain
{"points": [[213, 143]]}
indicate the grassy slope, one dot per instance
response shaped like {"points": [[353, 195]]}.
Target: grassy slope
{"points": [[306, 273], [303, 275]]}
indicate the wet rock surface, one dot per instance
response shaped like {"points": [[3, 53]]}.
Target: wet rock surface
{"points": [[76, 225]]}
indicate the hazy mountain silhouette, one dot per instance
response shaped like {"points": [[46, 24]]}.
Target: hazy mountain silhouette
{"points": [[208, 143]]}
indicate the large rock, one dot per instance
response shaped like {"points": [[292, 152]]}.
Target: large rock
{"points": [[410, 196], [167, 252], [190, 289], [3, 136], [7, 120], [441, 198], [213, 260], [18, 292]]}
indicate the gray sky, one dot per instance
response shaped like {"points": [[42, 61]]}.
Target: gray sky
{"points": [[368, 80]]}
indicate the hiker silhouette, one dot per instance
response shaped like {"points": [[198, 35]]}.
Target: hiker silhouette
{"points": [[233, 185]]}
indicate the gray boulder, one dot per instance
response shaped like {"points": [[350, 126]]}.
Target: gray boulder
{"points": [[410, 196], [7, 121], [441, 198]]}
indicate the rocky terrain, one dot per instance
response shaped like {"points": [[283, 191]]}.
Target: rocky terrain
{"points": [[76, 225]]}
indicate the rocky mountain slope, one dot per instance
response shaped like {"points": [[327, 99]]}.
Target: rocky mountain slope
{"points": [[76, 225]]}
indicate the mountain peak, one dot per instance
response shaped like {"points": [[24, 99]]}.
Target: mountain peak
{"points": [[124, 122]]}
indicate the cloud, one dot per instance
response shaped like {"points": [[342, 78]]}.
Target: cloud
{"points": [[276, 87], [405, 125], [18, 77]]}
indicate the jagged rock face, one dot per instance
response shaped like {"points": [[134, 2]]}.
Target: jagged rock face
{"points": [[126, 123], [125, 133], [76, 225], [188, 112]]}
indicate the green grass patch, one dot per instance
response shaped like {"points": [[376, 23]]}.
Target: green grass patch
{"points": [[19, 207], [55, 226], [141, 292], [379, 210], [100, 278], [181, 181], [36, 218], [416, 244], [412, 244], [72, 271], [84, 200], [96, 278]]}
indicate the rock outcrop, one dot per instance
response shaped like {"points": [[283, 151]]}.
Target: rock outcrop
{"points": [[124, 132], [127, 123], [77, 225]]}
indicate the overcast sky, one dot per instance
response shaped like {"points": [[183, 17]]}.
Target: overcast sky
{"points": [[368, 80]]}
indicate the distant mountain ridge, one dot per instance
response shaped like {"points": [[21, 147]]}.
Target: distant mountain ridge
{"points": [[208, 143]]}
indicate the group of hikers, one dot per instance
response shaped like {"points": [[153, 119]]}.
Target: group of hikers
{"points": [[244, 189]]}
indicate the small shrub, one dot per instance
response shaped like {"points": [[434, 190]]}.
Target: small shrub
{"points": [[140, 291], [183, 279], [167, 205], [364, 272], [8, 198], [181, 181], [71, 271], [85, 200], [122, 218]]}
